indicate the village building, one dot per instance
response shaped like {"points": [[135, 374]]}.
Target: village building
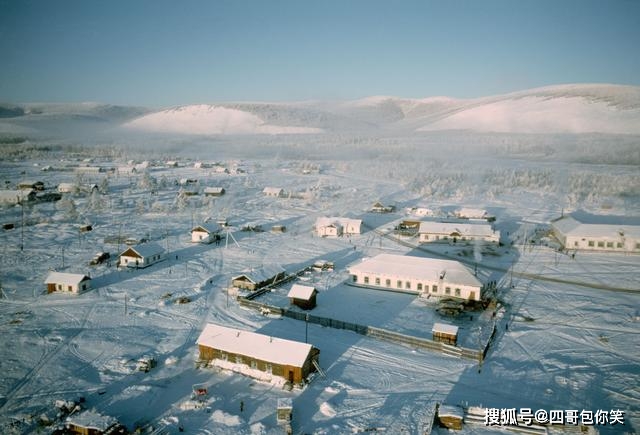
{"points": [[428, 277], [126, 170], [257, 355], [450, 416], [90, 169], [188, 181], [284, 410], [214, 191], [378, 207], [258, 278], [575, 235], [30, 184], [206, 233], [76, 188], [473, 213], [14, 197], [303, 296], [67, 282], [337, 226], [445, 333], [273, 192], [453, 232], [141, 256], [92, 423], [171, 164], [421, 211]]}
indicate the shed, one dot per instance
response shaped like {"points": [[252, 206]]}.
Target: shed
{"points": [[205, 233], [92, 423], [450, 416], [445, 333], [257, 355], [256, 279], [378, 207], [140, 256], [19, 196], [214, 191], [284, 410], [67, 282], [275, 192], [303, 296], [31, 184]]}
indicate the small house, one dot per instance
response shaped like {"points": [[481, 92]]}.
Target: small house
{"points": [[278, 229], [188, 181], [303, 296], [171, 164], [206, 233], [337, 226], [140, 256], [256, 279], [445, 333], [14, 197], [450, 417], [378, 207], [214, 191], [473, 214], [257, 355], [92, 423], [67, 282], [284, 410], [273, 192], [30, 184]]}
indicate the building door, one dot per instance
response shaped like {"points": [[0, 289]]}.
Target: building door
{"points": [[472, 296], [291, 376]]}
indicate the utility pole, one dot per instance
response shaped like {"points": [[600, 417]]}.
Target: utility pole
{"points": [[63, 256], [21, 225], [306, 328]]}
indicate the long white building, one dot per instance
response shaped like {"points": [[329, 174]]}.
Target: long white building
{"points": [[337, 226], [430, 232], [416, 275], [576, 235]]}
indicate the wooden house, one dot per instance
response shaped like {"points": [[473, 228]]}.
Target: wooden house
{"points": [[454, 232], [67, 282], [140, 256], [205, 233], [214, 191], [257, 355], [273, 192], [258, 278], [427, 277], [602, 235], [92, 423], [303, 296], [450, 417], [284, 410], [445, 333]]}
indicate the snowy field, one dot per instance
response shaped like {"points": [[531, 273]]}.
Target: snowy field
{"points": [[569, 344]]}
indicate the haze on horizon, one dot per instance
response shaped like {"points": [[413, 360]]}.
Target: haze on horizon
{"points": [[160, 53]]}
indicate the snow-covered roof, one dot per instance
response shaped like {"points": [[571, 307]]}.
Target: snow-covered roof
{"points": [[147, 249], [570, 226], [258, 346], [264, 273], [65, 278], [303, 292], [272, 190], [450, 411], [92, 420], [213, 189], [445, 329], [464, 229], [471, 213], [209, 227], [409, 267], [343, 221], [14, 196], [285, 402]]}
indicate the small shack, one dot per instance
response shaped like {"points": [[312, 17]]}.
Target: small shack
{"points": [[445, 333], [284, 410], [206, 233], [256, 279], [274, 192], [303, 296], [257, 355], [378, 207], [92, 423], [450, 417], [140, 256], [67, 282], [214, 191]]}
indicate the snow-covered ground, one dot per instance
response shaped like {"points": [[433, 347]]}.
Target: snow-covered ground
{"points": [[569, 344]]}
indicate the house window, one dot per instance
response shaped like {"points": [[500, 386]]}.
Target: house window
{"points": [[457, 292], [575, 243], [591, 244], [59, 286], [355, 278], [419, 286], [434, 289], [268, 368], [238, 359], [437, 237], [388, 282], [619, 245], [445, 237], [224, 356], [447, 290], [600, 244], [254, 364], [637, 245], [609, 244], [407, 285], [426, 237], [366, 280], [377, 281], [69, 288], [399, 284]]}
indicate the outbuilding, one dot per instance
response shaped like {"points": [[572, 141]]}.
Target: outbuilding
{"points": [[428, 277], [14, 197], [92, 423], [67, 282], [273, 192], [378, 207], [206, 233], [258, 278], [445, 333], [214, 191], [303, 296], [141, 256], [257, 355]]}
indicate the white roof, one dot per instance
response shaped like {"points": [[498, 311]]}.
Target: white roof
{"points": [[14, 195], [65, 278], [464, 229], [285, 402], [264, 273], [272, 190], [569, 226], [471, 212], [327, 221], [209, 227], [445, 329], [147, 249], [450, 411], [92, 420], [409, 267], [258, 346], [213, 189], [301, 292]]}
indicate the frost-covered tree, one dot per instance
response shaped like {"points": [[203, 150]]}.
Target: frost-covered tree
{"points": [[104, 186], [68, 207]]}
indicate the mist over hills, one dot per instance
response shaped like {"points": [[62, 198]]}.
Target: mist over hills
{"points": [[562, 109]]}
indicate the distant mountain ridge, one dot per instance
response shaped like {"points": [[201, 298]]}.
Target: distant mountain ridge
{"points": [[576, 108]]}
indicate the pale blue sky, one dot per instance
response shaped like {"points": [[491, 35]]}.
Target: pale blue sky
{"points": [[161, 53]]}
